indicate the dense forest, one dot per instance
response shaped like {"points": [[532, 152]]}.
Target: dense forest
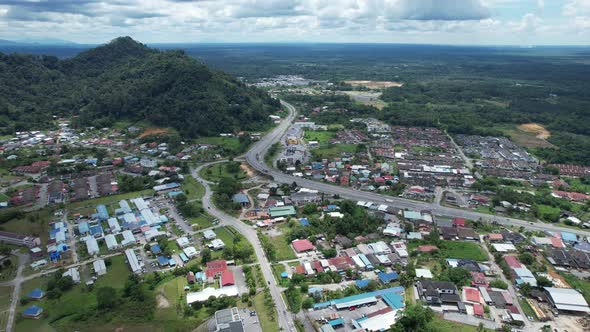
{"points": [[126, 80]]}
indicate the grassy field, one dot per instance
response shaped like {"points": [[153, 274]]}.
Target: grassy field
{"points": [[266, 323], [117, 273], [332, 151], [204, 221], [89, 206], [5, 294], [441, 325], [227, 143], [455, 249], [216, 172], [192, 188], [277, 269], [526, 308], [35, 223], [322, 137], [283, 249], [10, 271], [462, 250]]}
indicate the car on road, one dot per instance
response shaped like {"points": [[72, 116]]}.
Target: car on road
{"points": [[252, 313]]}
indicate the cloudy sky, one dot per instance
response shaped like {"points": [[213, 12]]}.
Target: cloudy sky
{"points": [[496, 22]]}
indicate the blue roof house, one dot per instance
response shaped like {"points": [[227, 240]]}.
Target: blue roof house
{"points": [[36, 294], [33, 312]]}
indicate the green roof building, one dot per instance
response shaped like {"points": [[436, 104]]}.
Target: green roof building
{"points": [[281, 211]]}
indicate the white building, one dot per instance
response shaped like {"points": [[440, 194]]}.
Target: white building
{"points": [[217, 244], [567, 299], [99, 267], [183, 242], [111, 242], [73, 273], [203, 295], [92, 246], [128, 238], [133, 262], [209, 234]]}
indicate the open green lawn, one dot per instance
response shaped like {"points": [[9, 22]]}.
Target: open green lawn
{"points": [[89, 206], [216, 172], [230, 143], [266, 323], [5, 294], [283, 249], [322, 137], [8, 273], [455, 249], [203, 220], [35, 223], [192, 188], [117, 273], [462, 250], [277, 269], [442, 325], [332, 151]]}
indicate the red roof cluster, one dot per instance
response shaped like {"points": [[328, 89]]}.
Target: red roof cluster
{"points": [[215, 268], [227, 278], [302, 245], [513, 262]]}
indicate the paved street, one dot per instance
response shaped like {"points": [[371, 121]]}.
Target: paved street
{"points": [[285, 318], [255, 157]]}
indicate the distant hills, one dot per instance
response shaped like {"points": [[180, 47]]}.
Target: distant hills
{"points": [[37, 42], [126, 80]]}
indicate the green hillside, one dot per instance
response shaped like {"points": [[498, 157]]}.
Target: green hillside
{"points": [[126, 80]]}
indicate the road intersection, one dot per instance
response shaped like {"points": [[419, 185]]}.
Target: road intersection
{"points": [[255, 157]]}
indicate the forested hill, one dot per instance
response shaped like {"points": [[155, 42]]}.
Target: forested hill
{"points": [[126, 80]]}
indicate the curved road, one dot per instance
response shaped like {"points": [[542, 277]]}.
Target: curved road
{"points": [[255, 157], [285, 318]]}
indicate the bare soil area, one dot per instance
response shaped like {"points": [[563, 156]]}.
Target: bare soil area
{"points": [[153, 132], [375, 84]]}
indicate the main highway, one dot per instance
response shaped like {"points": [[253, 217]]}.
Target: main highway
{"points": [[255, 157]]}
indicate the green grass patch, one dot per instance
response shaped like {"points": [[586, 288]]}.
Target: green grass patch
{"points": [[192, 188], [277, 269], [33, 223], [455, 249], [283, 249], [332, 151], [107, 200], [216, 172], [117, 273], [204, 221], [441, 325], [322, 137], [227, 143], [268, 323], [526, 308]]}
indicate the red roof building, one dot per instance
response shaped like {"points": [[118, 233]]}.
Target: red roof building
{"points": [[459, 222], [478, 310], [227, 278], [557, 243], [478, 279], [318, 266], [190, 277], [472, 295], [341, 263], [495, 237], [216, 268], [299, 269], [302, 245], [513, 262]]}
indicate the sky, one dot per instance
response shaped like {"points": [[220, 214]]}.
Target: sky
{"points": [[462, 22]]}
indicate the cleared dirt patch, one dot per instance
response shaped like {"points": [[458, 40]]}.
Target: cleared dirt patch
{"points": [[524, 135], [366, 98], [246, 168], [162, 301], [154, 132], [375, 84], [535, 128]]}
